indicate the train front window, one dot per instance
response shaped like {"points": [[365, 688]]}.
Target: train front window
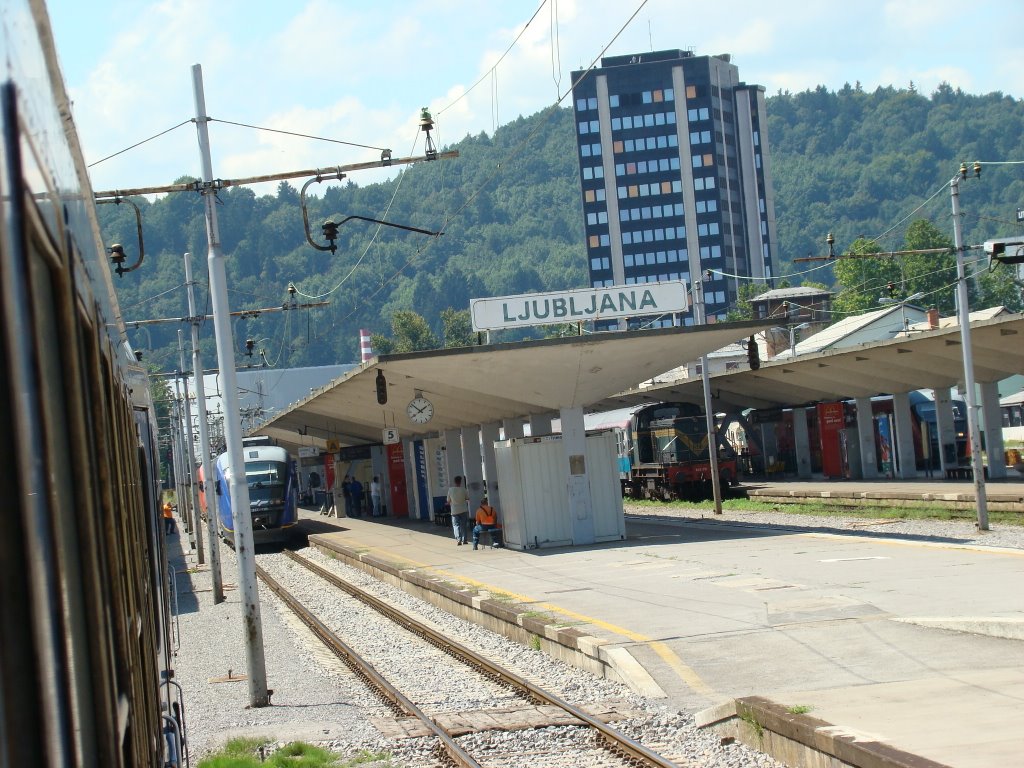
{"points": [[668, 447], [265, 480]]}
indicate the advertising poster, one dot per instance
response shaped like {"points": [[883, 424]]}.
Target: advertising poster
{"points": [[884, 429], [422, 495]]}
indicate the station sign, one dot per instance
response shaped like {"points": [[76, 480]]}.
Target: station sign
{"points": [[391, 436], [308, 451], [583, 304]]}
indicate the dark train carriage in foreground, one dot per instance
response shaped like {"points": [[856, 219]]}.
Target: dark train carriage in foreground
{"points": [[84, 650]]}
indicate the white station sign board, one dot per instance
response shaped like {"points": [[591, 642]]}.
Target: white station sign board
{"points": [[579, 305]]}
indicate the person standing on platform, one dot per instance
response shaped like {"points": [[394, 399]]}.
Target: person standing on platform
{"points": [[356, 491], [169, 525], [346, 491], [486, 520], [375, 496], [458, 502]]}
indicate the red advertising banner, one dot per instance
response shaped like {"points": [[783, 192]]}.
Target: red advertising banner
{"points": [[396, 480], [328, 471], [831, 420]]}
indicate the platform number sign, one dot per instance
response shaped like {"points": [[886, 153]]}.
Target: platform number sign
{"points": [[391, 436]]}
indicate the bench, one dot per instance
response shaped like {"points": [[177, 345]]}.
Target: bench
{"points": [[443, 517], [963, 473], [494, 537]]}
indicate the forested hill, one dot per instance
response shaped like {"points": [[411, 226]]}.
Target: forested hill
{"points": [[850, 162]]}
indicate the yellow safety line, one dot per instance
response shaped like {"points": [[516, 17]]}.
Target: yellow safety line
{"points": [[979, 548], [684, 671]]}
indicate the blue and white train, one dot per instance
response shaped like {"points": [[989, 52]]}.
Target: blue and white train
{"points": [[272, 479]]}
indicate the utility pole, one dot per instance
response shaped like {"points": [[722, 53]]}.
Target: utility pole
{"points": [[197, 523], [240, 511], [700, 318], [204, 440], [964, 318]]}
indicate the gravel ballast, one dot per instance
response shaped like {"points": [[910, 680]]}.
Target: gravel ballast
{"points": [[316, 699]]}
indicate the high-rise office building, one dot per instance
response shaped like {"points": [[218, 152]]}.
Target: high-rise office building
{"points": [[675, 174]]}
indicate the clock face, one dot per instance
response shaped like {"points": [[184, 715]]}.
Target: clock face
{"points": [[420, 410]]}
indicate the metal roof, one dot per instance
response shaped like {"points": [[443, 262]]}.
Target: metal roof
{"points": [[476, 385], [932, 359]]}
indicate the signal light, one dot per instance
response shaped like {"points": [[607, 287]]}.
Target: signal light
{"points": [[382, 388], [753, 356]]}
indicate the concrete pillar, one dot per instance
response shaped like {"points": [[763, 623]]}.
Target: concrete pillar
{"points": [[866, 439], [540, 423], [454, 462], [992, 423], [946, 425], [903, 426], [489, 434], [472, 462], [453, 453], [801, 444], [513, 428], [581, 508]]}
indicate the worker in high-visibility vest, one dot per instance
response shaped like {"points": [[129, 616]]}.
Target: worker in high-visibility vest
{"points": [[169, 525]]}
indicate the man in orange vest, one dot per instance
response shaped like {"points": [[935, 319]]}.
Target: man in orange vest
{"points": [[169, 525], [486, 520]]}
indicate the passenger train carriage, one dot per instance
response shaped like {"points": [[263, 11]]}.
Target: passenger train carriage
{"points": [[84, 650], [271, 477]]}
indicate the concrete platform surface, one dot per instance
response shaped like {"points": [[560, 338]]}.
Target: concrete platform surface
{"points": [[857, 629]]}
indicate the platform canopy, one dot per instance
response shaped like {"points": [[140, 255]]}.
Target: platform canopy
{"points": [[476, 385], [929, 359]]}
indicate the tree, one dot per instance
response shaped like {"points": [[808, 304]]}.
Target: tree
{"points": [[410, 333], [997, 287], [742, 309], [862, 280], [457, 328], [933, 274]]}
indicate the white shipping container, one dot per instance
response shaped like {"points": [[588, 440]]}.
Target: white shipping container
{"points": [[533, 474]]}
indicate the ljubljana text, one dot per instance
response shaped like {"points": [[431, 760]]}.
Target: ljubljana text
{"points": [[595, 304]]}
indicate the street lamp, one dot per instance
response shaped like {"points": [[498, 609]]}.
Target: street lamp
{"points": [[791, 330], [903, 306], [792, 337]]}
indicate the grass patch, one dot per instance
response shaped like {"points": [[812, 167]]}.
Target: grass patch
{"points": [[838, 511], [755, 726], [534, 642], [255, 753], [799, 709]]}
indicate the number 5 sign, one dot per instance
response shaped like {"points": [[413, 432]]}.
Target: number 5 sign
{"points": [[391, 436]]}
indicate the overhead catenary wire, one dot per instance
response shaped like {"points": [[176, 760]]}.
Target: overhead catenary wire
{"points": [[514, 152], [295, 133], [140, 143], [494, 66]]}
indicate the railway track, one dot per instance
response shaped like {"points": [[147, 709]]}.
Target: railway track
{"points": [[563, 731]]}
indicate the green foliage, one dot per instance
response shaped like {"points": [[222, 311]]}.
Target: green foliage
{"points": [[799, 709], [247, 753], [743, 310], [457, 328], [866, 166], [410, 334], [860, 280]]}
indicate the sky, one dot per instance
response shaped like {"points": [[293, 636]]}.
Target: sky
{"points": [[361, 72]]}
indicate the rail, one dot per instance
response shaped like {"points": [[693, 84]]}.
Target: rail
{"points": [[616, 741], [367, 671]]}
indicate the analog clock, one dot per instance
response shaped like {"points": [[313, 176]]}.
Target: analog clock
{"points": [[420, 410]]}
